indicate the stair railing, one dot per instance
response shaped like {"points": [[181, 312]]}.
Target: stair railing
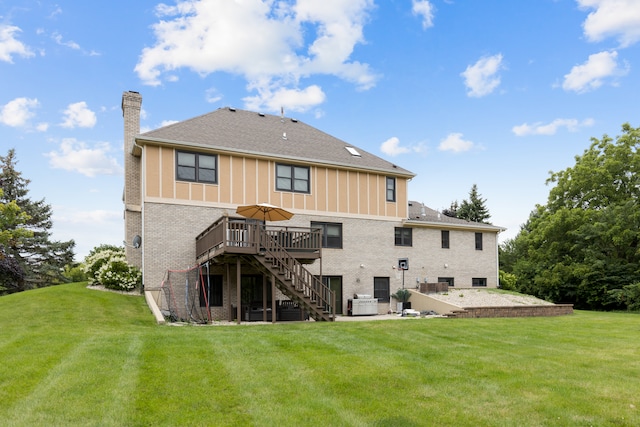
{"points": [[305, 284]]}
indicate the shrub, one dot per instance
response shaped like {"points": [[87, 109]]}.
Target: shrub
{"points": [[107, 266], [95, 260], [74, 273], [507, 281], [117, 274]]}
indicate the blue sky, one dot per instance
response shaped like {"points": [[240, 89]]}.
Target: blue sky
{"points": [[494, 93]]}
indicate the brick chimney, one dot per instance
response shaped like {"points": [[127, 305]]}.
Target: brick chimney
{"points": [[132, 196]]}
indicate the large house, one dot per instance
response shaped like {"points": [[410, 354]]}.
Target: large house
{"points": [[353, 231]]}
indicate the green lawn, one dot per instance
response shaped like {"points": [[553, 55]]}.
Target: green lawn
{"points": [[73, 356]]}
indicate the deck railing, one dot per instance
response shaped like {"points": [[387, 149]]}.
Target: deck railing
{"points": [[242, 236]]}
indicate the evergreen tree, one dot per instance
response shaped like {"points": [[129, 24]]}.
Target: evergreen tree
{"points": [[12, 232], [40, 260], [474, 209]]}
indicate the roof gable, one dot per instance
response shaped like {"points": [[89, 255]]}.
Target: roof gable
{"points": [[268, 135]]}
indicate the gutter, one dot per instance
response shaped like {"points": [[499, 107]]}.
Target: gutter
{"points": [[454, 226]]}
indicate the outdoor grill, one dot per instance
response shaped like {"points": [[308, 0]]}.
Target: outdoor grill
{"points": [[362, 305]]}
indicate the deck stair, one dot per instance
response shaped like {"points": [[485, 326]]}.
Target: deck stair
{"points": [[294, 280]]}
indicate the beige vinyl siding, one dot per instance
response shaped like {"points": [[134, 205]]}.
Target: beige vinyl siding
{"points": [[153, 172], [167, 168], [224, 175], [249, 180], [343, 191]]}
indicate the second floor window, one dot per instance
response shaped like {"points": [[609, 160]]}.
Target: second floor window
{"points": [[196, 167], [404, 236], [391, 189], [331, 233], [478, 241], [444, 234], [292, 178]]}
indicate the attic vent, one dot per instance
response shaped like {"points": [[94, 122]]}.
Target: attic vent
{"points": [[232, 109], [284, 135], [261, 114], [294, 120], [352, 151]]}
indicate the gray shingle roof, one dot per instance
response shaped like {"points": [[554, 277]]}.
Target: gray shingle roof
{"points": [[419, 213], [267, 135]]}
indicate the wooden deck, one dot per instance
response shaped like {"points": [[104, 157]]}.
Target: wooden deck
{"points": [[240, 236]]}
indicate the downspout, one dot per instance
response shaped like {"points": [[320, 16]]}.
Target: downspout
{"points": [[142, 196], [497, 261]]}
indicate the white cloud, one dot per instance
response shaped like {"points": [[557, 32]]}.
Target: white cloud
{"points": [[590, 75], [87, 228], [95, 217], [454, 142], [76, 156], [78, 115], [391, 147], [612, 18], [57, 37], [424, 9], [539, 128], [17, 112], [167, 123], [9, 45], [293, 99], [262, 41], [212, 95], [482, 77]]}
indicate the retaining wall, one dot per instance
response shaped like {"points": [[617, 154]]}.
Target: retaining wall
{"points": [[513, 311]]}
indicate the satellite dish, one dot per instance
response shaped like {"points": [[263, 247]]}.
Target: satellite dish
{"points": [[137, 241]]}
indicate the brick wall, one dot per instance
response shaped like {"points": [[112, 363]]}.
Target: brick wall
{"points": [[368, 250], [131, 104], [514, 311]]}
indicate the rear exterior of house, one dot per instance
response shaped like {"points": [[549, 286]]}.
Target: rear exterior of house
{"points": [[181, 179]]}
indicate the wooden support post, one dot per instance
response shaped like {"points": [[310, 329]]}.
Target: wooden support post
{"points": [[273, 299], [264, 299], [227, 290], [238, 290]]}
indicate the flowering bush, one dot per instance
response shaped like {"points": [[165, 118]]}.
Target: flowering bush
{"points": [[109, 268], [117, 274]]}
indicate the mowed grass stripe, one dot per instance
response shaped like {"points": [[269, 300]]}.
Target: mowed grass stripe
{"points": [[93, 384], [273, 372], [37, 408], [570, 370]]}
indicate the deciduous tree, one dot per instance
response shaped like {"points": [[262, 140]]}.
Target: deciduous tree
{"points": [[584, 243]]}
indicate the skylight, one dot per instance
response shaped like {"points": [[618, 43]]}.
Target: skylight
{"points": [[352, 151]]}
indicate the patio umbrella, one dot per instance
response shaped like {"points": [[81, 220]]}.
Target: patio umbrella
{"points": [[264, 212]]}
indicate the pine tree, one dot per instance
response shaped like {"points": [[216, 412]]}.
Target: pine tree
{"points": [[40, 260], [474, 209]]}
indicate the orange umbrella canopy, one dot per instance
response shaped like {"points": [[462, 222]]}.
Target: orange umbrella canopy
{"points": [[264, 212]]}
